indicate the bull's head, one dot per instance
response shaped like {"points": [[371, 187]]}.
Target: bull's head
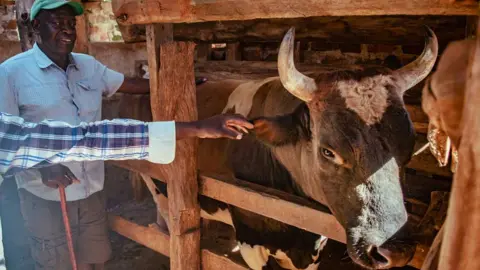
{"points": [[353, 141]]}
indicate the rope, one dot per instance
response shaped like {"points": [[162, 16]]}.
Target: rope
{"points": [[66, 222]]}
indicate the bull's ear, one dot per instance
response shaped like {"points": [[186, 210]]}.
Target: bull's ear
{"points": [[281, 130], [270, 131]]}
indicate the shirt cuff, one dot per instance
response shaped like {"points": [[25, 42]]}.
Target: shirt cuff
{"points": [[162, 142]]}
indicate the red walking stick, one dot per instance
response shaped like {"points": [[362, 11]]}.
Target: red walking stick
{"points": [[66, 222]]}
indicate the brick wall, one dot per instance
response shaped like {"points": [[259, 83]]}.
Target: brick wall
{"points": [[8, 25]]}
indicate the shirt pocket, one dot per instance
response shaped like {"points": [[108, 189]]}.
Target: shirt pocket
{"points": [[42, 99], [89, 100]]}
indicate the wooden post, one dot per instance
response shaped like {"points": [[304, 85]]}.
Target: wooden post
{"points": [[203, 51], [233, 52], [82, 42], [25, 30], [462, 228], [173, 97]]}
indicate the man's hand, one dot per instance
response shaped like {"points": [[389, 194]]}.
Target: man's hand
{"points": [[219, 126], [57, 175]]}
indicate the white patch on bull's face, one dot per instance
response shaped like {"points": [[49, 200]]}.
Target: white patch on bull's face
{"points": [[241, 99], [222, 215], [368, 97], [383, 212]]}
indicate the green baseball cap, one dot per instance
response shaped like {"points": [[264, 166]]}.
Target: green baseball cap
{"points": [[53, 4]]}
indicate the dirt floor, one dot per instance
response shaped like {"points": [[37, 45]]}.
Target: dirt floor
{"points": [[126, 253]]}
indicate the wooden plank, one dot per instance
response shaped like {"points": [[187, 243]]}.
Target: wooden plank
{"points": [[233, 52], [176, 97], [150, 237], [393, 30], [170, 11], [203, 52], [274, 204], [156, 35], [24, 26], [462, 228], [158, 241], [82, 42], [138, 187]]}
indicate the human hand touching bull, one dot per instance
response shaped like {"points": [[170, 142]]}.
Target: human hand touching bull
{"points": [[230, 126]]}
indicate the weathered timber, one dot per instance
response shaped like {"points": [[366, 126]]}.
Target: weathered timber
{"points": [[156, 240], [393, 30], [430, 226], [160, 202], [233, 52], [432, 258], [24, 26], [294, 210], [462, 228], [150, 236], [139, 190], [173, 97], [81, 44], [156, 36], [169, 11]]}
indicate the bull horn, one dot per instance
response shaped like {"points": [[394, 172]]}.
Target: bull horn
{"points": [[296, 83], [413, 73]]}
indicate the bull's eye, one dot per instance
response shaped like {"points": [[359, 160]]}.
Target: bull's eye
{"points": [[332, 156], [327, 153]]}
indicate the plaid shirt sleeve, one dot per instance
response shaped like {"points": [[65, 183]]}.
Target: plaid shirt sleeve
{"points": [[25, 145]]}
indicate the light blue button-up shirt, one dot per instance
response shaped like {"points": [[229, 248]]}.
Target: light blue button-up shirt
{"points": [[35, 88]]}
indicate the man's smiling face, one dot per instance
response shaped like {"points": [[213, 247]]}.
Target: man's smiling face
{"points": [[57, 30]]}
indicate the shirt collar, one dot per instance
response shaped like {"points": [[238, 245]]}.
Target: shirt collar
{"points": [[43, 61]]}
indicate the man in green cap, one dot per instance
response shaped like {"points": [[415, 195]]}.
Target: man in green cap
{"points": [[51, 82]]}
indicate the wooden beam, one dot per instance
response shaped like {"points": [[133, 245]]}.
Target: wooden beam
{"points": [[150, 237], [169, 11], [393, 30], [173, 97], [233, 52], [462, 228], [156, 240], [82, 42], [156, 36], [281, 206], [24, 26]]}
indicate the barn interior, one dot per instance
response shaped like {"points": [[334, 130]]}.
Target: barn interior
{"points": [[247, 49]]}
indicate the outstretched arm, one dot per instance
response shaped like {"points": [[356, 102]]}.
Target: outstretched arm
{"points": [[25, 145]]}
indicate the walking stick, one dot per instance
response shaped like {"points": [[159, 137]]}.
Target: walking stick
{"points": [[66, 222]]}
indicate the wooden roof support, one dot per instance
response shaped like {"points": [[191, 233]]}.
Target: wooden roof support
{"points": [[176, 11], [462, 228], [173, 97]]}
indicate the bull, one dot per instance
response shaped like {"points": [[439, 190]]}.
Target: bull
{"points": [[338, 137]]}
